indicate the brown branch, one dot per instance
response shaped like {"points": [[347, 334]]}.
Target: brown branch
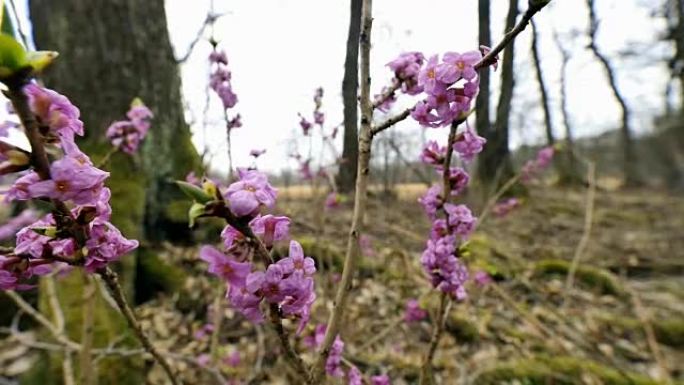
{"points": [[396, 84], [426, 369], [391, 122], [112, 281], [360, 198]]}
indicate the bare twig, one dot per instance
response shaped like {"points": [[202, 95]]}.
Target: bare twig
{"points": [[360, 199], [588, 220], [40, 318], [112, 281], [644, 318], [89, 298], [216, 322], [440, 322]]}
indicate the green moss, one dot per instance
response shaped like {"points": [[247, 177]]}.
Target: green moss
{"points": [[484, 253], [154, 275], [108, 326], [597, 279], [668, 332], [559, 371], [461, 329]]}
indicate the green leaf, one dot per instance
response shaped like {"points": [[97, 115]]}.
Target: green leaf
{"points": [[196, 210], [194, 192], [12, 56], [39, 60], [7, 26]]}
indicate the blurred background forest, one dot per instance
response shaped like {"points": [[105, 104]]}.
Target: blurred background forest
{"points": [[602, 81]]}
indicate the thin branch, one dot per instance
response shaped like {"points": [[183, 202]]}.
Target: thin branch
{"points": [[112, 281], [89, 300], [588, 220], [40, 318], [360, 198]]}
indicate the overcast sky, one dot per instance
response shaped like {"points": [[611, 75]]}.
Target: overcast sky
{"points": [[281, 50]]}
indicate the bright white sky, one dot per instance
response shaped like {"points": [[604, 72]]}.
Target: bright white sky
{"points": [[281, 50]]}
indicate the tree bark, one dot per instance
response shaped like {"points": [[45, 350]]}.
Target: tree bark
{"points": [[111, 52], [482, 123], [629, 157], [548, 125], [569, 172], [350, 84], [495, 161]]}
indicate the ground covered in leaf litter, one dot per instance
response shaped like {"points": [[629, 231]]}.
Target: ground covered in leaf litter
{"points": [[622, 322]]}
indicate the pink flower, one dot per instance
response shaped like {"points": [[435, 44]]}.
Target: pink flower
{"points": [[457, 66], [504, 207], [482, 279], [461, 219], [414, 312], [428, 75], [271, 228], [53, 110], [380, 380], [431, 201], [251, 191], [296, 262], [70, 180], [332, 201], [354, 376], [433, 154], [469, 144], [231, 271], [458, 180]]}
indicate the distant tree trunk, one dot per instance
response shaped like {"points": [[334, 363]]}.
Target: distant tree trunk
{"points": [[628, 154], [495, 161], [569, 172], [482, 123], [678, 63], [548, 125], [350, 84]]}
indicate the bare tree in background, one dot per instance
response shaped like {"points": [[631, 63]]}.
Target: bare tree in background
{"points": [[629, 157], [548, 125], [350, 84], [495, 161], [482, 122], [569, 172]]}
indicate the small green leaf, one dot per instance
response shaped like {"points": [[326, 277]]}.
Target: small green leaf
{"points": [[196, 210], [48, 231], [12, 56], [39, 60], [194, 192]]}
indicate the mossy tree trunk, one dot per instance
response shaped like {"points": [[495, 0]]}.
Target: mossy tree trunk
{"points": [[112, 51]]}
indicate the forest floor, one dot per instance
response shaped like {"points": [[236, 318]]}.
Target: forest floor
{"points": [[620, 322]]}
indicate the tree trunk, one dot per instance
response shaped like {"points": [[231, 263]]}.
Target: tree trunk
{"points": [[482, 123], [495, 161], [350, 84], [628, 154], [548, 125], [110, 53], [569, 171]]}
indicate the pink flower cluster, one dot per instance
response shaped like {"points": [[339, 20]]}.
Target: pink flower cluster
{"points": [[333, 365], [128, 134], [318, 115], [406, 69], [45, 245], [533, 167], [220, 82], [9, 229], [451, 223], [287, 283], [502, 208], [414, 312]]}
